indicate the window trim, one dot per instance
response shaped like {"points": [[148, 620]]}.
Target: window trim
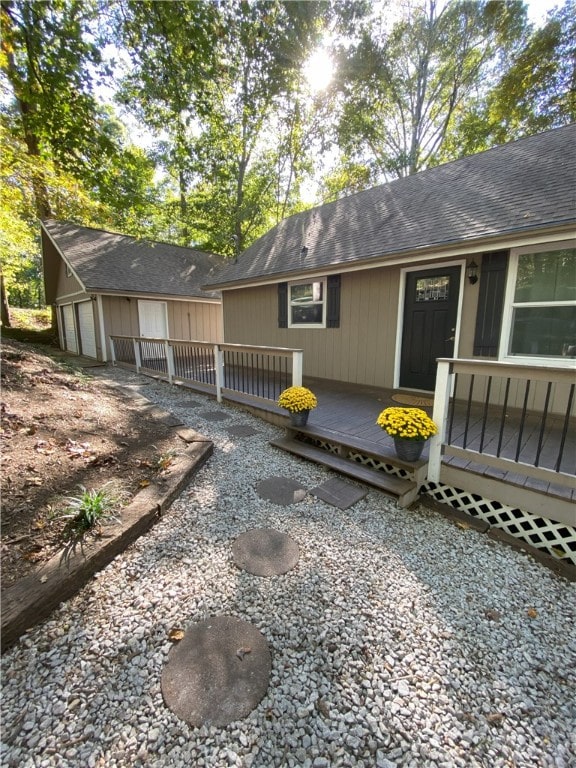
{"points": [[510, 305], [309, 281]]}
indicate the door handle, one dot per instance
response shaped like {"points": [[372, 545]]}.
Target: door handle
{"points": [[450, 339]]}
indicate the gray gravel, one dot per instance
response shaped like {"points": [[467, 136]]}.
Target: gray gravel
{"points": [[400, 639]]}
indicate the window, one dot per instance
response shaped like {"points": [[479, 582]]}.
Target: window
{"points": [[543, 306], [307, 304]]}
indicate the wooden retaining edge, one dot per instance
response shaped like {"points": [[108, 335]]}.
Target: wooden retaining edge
{"points": [[33, 598]]}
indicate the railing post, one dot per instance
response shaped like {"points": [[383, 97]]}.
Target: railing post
{"points": [[137, 358], [219, 364], [297, 356], [440, 416], [113, 350], [170, 360]]}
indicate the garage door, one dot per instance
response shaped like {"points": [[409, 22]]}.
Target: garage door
{"points": [[86, 329], [69, 330]]}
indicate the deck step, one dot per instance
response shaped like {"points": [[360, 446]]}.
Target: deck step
{"points": [[405, 491]]}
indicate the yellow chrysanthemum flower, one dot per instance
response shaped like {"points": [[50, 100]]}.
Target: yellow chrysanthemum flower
{"points": [[297, 399], [408, 423]]}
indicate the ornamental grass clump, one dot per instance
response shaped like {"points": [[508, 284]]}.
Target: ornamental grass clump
{"points": [[407, 423], [297, 399]]}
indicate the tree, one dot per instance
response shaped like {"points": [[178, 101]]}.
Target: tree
{"points": [[537, 92], [226, 103], [402, 83]]}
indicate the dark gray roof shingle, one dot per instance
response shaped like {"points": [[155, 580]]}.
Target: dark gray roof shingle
{"points": [[529, 184], [105, 261]]}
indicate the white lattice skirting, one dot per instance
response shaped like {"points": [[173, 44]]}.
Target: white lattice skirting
{"points": [[556, 539]]}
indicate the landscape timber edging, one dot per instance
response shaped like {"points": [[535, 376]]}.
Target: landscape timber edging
{"points": [[32, 599]]}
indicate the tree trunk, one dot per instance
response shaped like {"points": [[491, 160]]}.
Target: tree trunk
{"points": [[5, 309]]}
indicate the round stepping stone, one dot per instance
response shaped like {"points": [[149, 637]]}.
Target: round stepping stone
{"points": [[241, 430], [214, 415], [265, 552], [281, 490], [219, 672]]}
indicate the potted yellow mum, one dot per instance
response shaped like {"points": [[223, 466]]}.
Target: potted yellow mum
{"points": [[298, 401], [410, 428]]}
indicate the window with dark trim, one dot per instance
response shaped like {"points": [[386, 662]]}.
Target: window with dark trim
{"points": [[309, 303]]}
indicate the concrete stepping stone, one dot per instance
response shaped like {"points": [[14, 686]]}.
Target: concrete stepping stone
{"points": [[191, 404], [241, 430], [265, 552], [339, 493], [219, 672], [214, 415], [281, 490]]}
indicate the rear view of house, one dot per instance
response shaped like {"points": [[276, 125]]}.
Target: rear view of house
{"points": [[106, 285]]}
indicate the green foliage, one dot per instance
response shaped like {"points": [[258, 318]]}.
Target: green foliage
{"points": [[92, 508], [403, 85]]}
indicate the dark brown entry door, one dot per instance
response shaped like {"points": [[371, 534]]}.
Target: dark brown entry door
{"points": [[430, 313]]}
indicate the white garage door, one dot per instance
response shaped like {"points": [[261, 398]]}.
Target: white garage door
{"points": [[86, 329], [69, 330]]}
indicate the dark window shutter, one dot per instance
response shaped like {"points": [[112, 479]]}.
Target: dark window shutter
{"points": [[490, 303], [333, 308], [282, 305]]}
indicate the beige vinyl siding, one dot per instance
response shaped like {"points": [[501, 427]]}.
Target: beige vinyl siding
{"points": [[195, 321], [67, 285], [361, 350], [189, 320]]}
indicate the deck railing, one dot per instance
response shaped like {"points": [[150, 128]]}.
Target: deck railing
{"points": [[515, 418], [258, 372]]}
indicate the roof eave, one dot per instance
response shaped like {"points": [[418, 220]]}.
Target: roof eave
{"points": [[500, 240]]}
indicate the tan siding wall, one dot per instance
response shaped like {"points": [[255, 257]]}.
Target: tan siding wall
{"points": [[66, 285], [188, 320], [360, 351], [195, 321]]}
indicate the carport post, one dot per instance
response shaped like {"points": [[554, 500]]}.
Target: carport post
{"points": [[219, 365], [137, 357], [170, 360]]}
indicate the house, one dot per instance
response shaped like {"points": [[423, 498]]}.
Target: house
{"points": [[104, 284], [473, 259]]}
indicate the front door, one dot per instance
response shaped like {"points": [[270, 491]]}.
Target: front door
{"points": [[429, 324]]}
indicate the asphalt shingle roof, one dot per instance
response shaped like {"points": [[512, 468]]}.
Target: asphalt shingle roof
{"points": [[529, 184], [105, 261]]}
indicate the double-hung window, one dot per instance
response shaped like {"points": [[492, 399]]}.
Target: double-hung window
{"points": [[307, 304], [542, 306]]}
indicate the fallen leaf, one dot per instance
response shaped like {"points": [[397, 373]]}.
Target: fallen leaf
{"points": [[43, 579], [495, 718], [532, 613], [176, 634], [464, 526], [493, 615], [241, 652], [144, 483]]}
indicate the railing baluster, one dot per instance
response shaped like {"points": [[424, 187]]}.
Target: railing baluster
{"points": [[468, 409], [503, 417], [522, 420], [543, 424], [485, 414], [565, 429]]}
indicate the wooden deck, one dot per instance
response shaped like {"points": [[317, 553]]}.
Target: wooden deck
{"points": [[350, 411]]}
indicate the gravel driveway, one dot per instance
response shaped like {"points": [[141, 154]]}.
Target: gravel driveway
{"points": [[399, 639]]}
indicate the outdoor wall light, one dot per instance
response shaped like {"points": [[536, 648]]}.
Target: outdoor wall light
{"points": [[472, 272], [304, 251]]}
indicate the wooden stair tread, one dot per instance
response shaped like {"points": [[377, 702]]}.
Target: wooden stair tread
{"points": [[361, 445], [404, 490]]}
